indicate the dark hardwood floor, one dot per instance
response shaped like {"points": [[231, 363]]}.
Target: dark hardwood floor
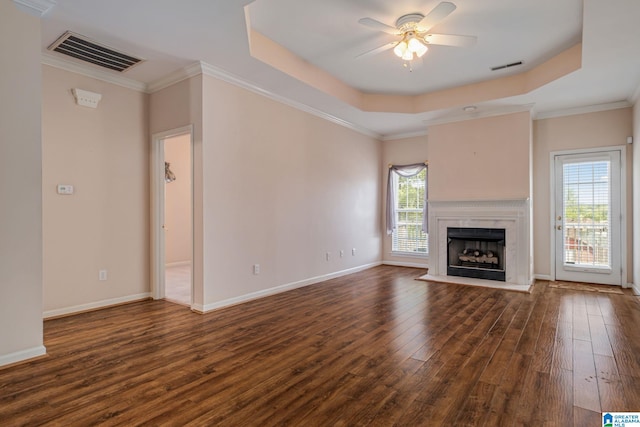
{"points": [[373, 348]]}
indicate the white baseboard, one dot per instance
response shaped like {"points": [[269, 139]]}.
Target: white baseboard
{"points": [[95, 305], [406, 264], [21, 356], [636, 289], [177, 264], [278, 289], [542, 277]]}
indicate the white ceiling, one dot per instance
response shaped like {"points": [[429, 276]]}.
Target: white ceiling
{"points": [[172, 35]]}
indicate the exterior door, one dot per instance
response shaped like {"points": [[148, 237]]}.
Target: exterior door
{"points": [[588, 217]]}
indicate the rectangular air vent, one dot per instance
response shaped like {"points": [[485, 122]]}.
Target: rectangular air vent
{"points": [[502, 67], [82, 48]]}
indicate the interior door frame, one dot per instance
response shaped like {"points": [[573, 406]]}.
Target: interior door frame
{"points": [[623, 205], [157, 208]]}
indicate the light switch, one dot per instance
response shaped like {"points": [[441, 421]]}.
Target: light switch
{"points": [[65, 189]]}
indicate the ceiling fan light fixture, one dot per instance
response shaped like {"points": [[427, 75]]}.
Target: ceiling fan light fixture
{"points": [[409, 46], [418, 47], [400, 49]]}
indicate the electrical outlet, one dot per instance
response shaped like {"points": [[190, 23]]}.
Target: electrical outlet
{"points": [[102, 275], [65, 189], [328, 256], [341, 253], [353, 251], [256, 269]]}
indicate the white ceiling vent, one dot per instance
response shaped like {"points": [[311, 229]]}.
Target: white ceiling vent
{"points": [[82, 48]]}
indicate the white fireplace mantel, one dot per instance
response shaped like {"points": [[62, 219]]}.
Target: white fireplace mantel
{"points": [[512, 215]]}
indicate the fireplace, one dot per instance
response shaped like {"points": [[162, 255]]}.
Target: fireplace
{"points": [[513, 255], [476, 252]]}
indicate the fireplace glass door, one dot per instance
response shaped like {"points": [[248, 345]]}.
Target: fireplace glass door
{"points": [[476, 252]]}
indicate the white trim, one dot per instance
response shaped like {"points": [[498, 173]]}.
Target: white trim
{"points": [[37, 8], [88, 71], [95, 305], [399, 254], [394, 136], [480, 114], [177, 264], [513, 215], [218, 73], [468, 281], [22, 355], [156, 170], [187, 72], [212, 71], [582, 110], [635, 289], [405, 264], [543, 277], [279, 289], [623, 202], [636, 95]]}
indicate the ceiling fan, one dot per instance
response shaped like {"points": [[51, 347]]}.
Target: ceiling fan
{"points": [[414, 32]]}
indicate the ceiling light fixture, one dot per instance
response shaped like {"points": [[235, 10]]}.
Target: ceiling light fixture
{"points": [[410, 47]]}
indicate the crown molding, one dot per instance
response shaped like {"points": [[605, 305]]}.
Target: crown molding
{"points": [[583, 110], [395, 136], [480, 114], [88, 71], [212, 71], [636, 95], [37, 8], [175, 77], [187, 72]]}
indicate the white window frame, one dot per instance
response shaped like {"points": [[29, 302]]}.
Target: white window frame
{"points": [[423, 240]]}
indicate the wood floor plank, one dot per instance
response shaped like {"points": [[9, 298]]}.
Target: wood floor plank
{"points": [[585, 383], [373, 348], [580, 318], [610, 386], [556, 399], [599, 336]]}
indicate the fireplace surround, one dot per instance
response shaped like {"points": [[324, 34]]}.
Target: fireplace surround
{"points": [[512, 216]]}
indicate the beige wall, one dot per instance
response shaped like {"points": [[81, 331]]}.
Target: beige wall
{"points": [[177, 212], [272, 186], [481, 159], [635, 155], [282, 188], [601, 129], [20, 187], [104, 154], [400, 152]]}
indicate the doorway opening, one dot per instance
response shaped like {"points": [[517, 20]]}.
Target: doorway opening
{"points": [[588, 216], [177, 219], [172, 216]]}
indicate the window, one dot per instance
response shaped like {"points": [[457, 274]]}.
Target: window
{"points": [[407, 200], [586, 206]]}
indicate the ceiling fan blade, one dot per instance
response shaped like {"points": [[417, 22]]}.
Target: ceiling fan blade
{"points": [[436, 15], [450, 40], [376, 50], [377, 25]]}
